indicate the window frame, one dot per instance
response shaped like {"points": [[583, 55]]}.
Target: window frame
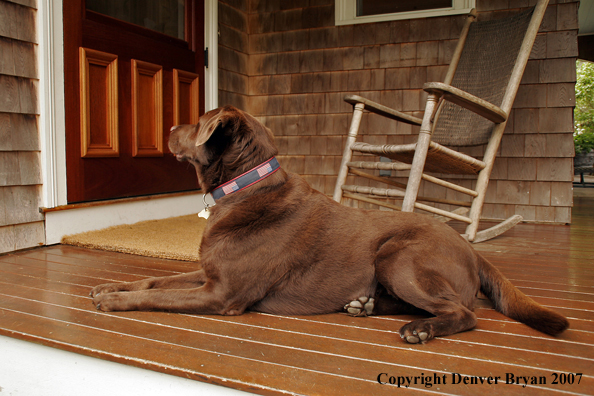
{"points": [[346, 12]]}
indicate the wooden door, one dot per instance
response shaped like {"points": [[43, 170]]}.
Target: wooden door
{"points": [[133, 69]]}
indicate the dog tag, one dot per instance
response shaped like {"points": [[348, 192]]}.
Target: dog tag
{"points": [[204, 213]]}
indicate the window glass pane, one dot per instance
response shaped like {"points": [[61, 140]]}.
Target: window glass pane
{"points": [[376, 7], [163, 16]]}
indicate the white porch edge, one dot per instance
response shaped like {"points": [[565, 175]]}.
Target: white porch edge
{"points": [[37, 370]]}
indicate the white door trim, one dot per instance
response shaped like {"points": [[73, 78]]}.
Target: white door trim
{"points": [[211, 41], [51, 102]]}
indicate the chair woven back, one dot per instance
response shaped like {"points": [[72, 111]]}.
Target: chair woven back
{"points": [[484, 70]]}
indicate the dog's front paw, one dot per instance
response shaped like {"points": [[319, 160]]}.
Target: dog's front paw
{"points": [[363, 306], [106, 288], [108, 302]]}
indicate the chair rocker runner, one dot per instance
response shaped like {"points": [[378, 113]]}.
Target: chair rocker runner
{"points": [[470, 108]]}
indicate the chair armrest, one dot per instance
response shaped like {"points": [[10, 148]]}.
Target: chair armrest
{"points": [[468, 101], [382, 110]]}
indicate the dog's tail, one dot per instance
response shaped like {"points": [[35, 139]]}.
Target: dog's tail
{"points": [[513, 303]]}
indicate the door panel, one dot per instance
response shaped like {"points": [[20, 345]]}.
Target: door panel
{"points": [[99, 104], [147, 109], [186, 88], [126, 86]]}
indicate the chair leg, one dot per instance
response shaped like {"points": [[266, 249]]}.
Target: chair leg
{"points": [[472, 234], [416, 171], [348, 153], [481, 188], [477, 206]]}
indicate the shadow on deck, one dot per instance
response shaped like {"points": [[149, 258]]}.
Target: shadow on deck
{"points": [[44, 299]]}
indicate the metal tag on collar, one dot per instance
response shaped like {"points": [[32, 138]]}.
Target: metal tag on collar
{"points": [[204, 213]]}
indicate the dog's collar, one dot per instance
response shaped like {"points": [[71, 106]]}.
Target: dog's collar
{"points": [[247, 179]]}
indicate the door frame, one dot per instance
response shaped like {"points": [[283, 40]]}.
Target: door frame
{"points": [[51, 92], [51, 95]]}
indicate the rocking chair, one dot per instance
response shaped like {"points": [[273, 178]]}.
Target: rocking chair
{"points": [[470, 108]]}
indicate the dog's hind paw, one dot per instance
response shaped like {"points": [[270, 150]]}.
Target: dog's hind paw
{"points": [[416, 338], [363, 306], [418, 331]]}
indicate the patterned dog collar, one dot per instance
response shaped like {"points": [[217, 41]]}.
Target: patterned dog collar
{"points": [[247, 179]]}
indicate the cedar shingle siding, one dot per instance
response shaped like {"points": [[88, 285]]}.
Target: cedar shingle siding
{"points": [[286, 63], [21, 224]]}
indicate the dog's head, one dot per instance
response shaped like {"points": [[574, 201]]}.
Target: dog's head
{"points": [[224, 144]]}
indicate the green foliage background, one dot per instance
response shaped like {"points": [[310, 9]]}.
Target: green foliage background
{"points": [[583, 135]]}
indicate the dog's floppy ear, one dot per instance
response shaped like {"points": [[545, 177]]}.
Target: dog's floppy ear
{"points": [[206, 130]]}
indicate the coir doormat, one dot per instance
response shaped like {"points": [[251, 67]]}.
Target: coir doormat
{"points": [[176, 238]]}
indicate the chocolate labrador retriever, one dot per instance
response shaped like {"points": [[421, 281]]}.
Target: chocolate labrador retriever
{"points": [[273, 244]]}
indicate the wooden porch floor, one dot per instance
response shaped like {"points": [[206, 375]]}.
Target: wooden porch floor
{"points": [[44, 299]]}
